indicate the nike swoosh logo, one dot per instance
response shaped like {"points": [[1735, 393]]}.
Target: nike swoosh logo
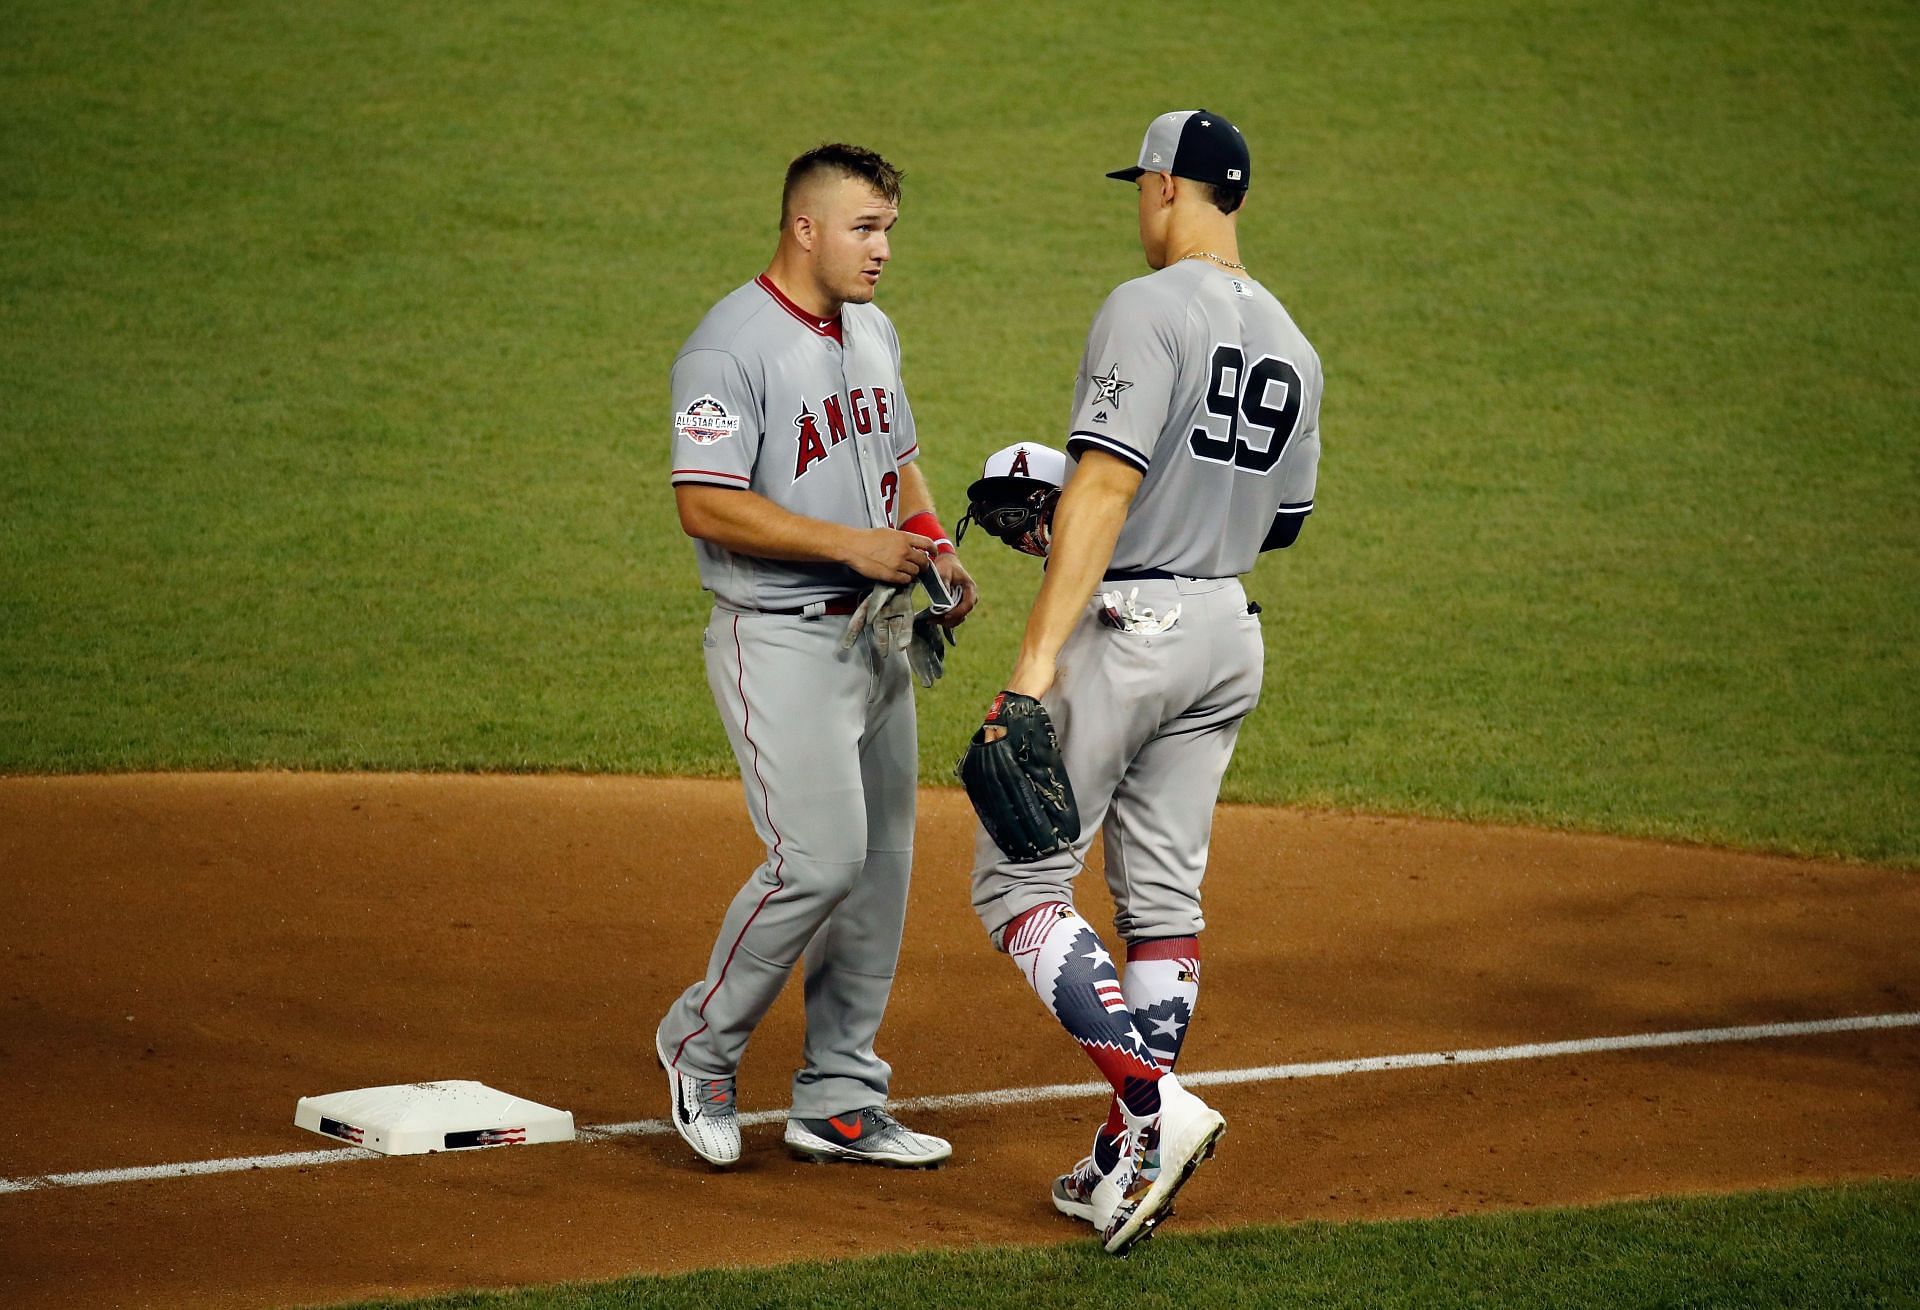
{"points": [[850, 1128], [680, 1104]]}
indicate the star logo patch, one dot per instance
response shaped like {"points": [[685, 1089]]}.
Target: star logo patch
{"points": [[1107, 389]]}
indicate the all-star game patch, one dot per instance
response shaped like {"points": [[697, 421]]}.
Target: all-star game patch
{"points": [[1107, 389], [705, 421]]}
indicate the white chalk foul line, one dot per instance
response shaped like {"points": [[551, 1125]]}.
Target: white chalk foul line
{"points": [[1051, 1092]]}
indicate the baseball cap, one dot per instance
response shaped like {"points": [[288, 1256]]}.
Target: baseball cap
{"points": [[1194, 143], [1025, 459]]}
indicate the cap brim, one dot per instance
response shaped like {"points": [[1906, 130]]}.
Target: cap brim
{"points": [[1006, 484], [1126, 174]]}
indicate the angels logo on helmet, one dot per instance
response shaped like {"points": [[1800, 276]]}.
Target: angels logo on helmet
{"points": [[1014, 497]]}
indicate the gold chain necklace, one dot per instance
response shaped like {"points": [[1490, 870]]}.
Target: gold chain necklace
{"points": [[1208, 254]]}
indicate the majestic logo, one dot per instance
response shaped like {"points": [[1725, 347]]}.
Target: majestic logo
{"points": [[705, 421], [1107, 389], [864, 410]]}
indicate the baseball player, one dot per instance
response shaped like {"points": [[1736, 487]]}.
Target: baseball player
{"points": [[793, 470], [1195, 443]]}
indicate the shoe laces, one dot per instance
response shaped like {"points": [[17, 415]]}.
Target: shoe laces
{"points": [[1083, 1178], [715, 1095], [885, 1124]]}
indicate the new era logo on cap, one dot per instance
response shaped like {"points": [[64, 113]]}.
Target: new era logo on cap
{"points": [[1193, 143]]}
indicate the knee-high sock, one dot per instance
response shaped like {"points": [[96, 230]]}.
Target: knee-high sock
{"points": [[1071, 972], [1161, 986]]}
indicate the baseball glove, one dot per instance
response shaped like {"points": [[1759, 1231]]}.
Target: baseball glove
{"points": [[1018, 782]]}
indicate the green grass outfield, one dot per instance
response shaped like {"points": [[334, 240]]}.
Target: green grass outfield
{"points": [[333, 380], [1849, 1247], [333, 435]]}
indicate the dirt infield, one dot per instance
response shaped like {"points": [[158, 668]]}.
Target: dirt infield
{"points": [[185, 956]]}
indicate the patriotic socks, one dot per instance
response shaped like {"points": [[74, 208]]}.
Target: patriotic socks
{"points": [[1073, 975], [1162, 986]]}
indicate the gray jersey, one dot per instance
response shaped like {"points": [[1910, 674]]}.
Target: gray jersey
{"points": [[1199, 378], [768, 398]]}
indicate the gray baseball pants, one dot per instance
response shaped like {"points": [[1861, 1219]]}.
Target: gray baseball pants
{"points": [[1147, 725], [828, 758]]}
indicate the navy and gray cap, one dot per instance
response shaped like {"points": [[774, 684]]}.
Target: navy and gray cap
{"points": [[1192, 143]]}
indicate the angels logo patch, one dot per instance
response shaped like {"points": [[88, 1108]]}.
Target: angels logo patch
{"points": [[705, 421]]}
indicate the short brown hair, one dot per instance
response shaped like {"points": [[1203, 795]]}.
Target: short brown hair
{"points": [[845, 160]]}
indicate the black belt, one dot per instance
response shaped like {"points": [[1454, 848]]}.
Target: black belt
{"points": [[837, 605], [1142, 575]]}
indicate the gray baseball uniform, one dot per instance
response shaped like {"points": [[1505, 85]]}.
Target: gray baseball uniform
{"points": [[811, 415], [1199, 378]]}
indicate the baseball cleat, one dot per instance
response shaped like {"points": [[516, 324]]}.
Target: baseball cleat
{"points": [[869, 1136], [1189, 1131], [1090, 1195], [1149, 1170], [704, 1113]]}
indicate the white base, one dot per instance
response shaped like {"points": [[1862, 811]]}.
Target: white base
{"points": [[418, 1118]]}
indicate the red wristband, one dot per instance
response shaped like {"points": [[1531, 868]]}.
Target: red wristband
{"points": [[926, 525]]}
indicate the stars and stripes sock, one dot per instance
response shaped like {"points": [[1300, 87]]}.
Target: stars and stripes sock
{"points": [[1162, 986], [1074, 977]]}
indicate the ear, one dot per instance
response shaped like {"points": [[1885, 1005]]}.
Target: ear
{"points": [[804, 232]]}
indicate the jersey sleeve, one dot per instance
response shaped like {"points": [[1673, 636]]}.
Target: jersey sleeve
{"points": [[716, 421], [1298, 471], [1125, 387], [906, 437], [906, 441]]}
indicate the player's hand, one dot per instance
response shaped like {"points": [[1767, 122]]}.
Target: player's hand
{"points": [[888, 555], [961, 584]]}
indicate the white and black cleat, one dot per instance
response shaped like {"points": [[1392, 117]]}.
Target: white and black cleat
{"points": [[704, 1112]]}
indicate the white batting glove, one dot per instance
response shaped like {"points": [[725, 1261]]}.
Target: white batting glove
{"points": [[888, 612], [927, 651]]}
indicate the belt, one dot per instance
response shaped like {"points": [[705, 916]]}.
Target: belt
{"points": [[1142, 575], [837, 605]]}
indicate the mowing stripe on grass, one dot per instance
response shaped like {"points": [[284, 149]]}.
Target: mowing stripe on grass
{"points": [[1051, 1092]]}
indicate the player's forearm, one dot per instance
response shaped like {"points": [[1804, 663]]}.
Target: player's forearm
{"points": [[915, 496], [1086, 524], [747, 523]]}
